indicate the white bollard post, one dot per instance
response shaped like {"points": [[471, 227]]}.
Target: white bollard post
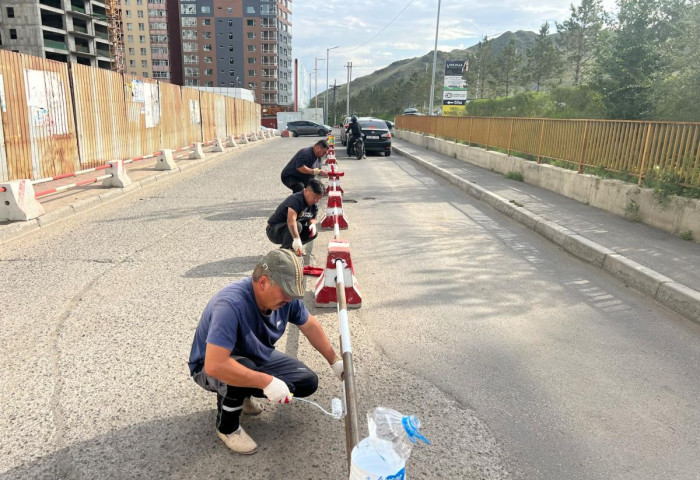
{"points": [[218, 145], [119, 178], [197, 151], [165, 161], [18, 201], [244, 138], [231, 142]]}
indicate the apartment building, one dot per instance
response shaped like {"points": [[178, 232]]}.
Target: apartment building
{"points": [[64, 30], [239, 44], [151, 39]]}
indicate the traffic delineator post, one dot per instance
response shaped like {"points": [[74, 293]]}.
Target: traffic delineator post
{"points": [[334, 212], [325, 294]]}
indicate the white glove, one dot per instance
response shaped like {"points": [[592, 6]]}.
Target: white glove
{"points": [[297, 246], [277, 391], [312, 229], [317, 171], [338, 369]]}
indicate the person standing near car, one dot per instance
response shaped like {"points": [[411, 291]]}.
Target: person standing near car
{"points": [[300, 169], [355, 133], [293, 224]]}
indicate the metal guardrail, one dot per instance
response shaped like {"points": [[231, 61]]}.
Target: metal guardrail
{"points": [[637, 148]]}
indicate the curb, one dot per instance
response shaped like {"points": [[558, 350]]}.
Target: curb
{"points": [[669, 293], [12, 231]]}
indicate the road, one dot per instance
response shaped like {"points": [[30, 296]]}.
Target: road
{"points": [[520, 361]]}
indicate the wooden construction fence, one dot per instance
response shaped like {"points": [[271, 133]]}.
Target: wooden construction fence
{"points": [[634, 147], [58, 118]]}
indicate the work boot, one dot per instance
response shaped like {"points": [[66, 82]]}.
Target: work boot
{"points": [[239, 442], [252, 406]]}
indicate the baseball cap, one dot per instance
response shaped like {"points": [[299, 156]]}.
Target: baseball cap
{"points": [[285, 269]]}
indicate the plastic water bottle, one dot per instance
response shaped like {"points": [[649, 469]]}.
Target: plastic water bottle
{"points": [[383, 455]]}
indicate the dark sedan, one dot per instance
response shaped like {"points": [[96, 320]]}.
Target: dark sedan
{"points": [[377, 135]]}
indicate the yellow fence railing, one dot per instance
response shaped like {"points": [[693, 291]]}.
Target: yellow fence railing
{"points": [[633, 147]]}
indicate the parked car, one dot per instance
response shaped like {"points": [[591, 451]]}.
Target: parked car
{"points": [[343, 135], [307, 127], [411, 111], [377, 135]]}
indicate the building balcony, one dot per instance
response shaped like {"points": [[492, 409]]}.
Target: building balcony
{"points": [[55, 44]]}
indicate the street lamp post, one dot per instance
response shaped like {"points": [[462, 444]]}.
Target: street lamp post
{"points": [[432, 84], [325, 101]]}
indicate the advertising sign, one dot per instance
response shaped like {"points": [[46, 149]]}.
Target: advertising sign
{"points": [[454, 91], [456, 67], [454, 95]]}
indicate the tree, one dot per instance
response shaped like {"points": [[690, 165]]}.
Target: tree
{"points": [[543, 59], [579, 37], [633, 63], [506, 67], [479, 75]]}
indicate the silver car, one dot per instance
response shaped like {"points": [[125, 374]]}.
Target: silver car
{"points": [[307, 127]]}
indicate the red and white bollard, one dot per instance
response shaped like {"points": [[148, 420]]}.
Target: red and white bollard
{"points": [[334, 212], [338, 262], [334, 180]]}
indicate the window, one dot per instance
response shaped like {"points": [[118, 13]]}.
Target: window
{"points": [[191, 58], [161, 74], [131, 51], [140, 13], [230, 48], [142, 38], [206, 22], [145, 74], [207, 59], [139, 2], [142, 27], [230, 36], [189, 34], [251, 48], [206, 9], [161, 63], [143, 51], [132, 63], [128, 14], [10, 12], [251, 35], [209, 83], [252, 85], [206, 47], [251, 60], [208, 71], [191, 82], [130, 38], [250, 22], [230, 10], [251, 73], [129, 26], [189, 21], [206, 34], [249, 9], [159, 50], [188, 9], [190, 46], [144, 63], [159, 25], [230, 60], [191, 71], [231, 73], [230, 23]]}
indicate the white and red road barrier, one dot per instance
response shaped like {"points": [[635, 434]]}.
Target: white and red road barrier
{"points": [[18, 201], [339, 268], [334, 180], [334, 212]]}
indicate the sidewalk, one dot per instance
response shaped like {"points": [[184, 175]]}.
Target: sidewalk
{"points": [[69, 202], [651, 261]]}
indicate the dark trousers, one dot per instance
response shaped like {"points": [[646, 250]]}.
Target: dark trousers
{"points": [[301, 380], [279, 234], [293, 183]]}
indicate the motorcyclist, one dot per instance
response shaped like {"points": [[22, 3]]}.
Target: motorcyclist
{"points": [[354, 131]]}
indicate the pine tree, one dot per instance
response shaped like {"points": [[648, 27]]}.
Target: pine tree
{"points": [[543, 60], [506, 68], [579, 37]]}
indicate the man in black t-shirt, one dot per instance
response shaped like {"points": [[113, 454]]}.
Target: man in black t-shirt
{"points": [[294, 222], [300, 169]]}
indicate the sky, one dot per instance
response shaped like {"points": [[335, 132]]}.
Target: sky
{"points": [[404, 29]]}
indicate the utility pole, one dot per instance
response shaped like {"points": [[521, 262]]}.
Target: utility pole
{"points": [[335, 103], [316, 88], [432, 84], [347, 105], [325, 100]]}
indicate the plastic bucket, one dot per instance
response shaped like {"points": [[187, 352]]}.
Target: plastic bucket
{"points": [[366, 464]]}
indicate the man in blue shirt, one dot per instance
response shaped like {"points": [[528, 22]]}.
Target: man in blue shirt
{"points": [[233, 352], [300, 169], [293, 223]]}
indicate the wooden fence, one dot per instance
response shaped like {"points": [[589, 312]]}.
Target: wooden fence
{"points": [[57, 118], [634, 147]]}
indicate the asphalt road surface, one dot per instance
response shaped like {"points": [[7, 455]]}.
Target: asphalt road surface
{"points": [[520, 361]]}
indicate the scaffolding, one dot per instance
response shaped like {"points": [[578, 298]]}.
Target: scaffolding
{"points": [[116, 34]]}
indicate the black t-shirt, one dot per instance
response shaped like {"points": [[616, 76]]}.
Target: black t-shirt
{"points": [[297, 203], [354, 129], [304, 157]]}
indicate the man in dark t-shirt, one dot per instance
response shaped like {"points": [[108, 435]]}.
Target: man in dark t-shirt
{"points": [[293, 224], [233, 351], [300, 169]]}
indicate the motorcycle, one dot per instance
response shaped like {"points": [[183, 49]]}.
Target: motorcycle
{"points": [[358, 148]]}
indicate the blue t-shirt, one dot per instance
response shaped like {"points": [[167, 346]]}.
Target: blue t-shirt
{"points": [[233, 321], [304, 157]]}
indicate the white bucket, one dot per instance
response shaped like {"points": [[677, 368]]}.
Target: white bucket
{"points": [[367, 464]]}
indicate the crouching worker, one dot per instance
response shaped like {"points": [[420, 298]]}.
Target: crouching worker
{"points": [[293, 224], [233, 353]]}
